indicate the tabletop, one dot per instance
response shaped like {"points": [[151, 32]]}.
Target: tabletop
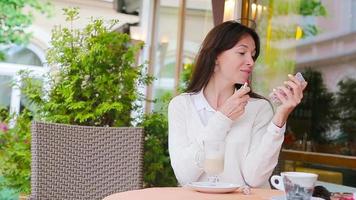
{"points": [[179, 193]]}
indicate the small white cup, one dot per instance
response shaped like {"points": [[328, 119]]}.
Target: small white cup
{"points": [[296, 185]]}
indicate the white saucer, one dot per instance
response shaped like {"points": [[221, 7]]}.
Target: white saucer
{"points": [[283, 197], [208, 187]]}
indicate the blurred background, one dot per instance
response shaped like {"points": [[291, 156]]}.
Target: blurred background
{"points": [[315, 37]]}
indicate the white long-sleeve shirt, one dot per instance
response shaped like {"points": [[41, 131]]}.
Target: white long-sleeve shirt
{"points": [[252, 142]]}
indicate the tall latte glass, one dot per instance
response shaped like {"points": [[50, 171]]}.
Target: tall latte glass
{"points": [[214, 159]]}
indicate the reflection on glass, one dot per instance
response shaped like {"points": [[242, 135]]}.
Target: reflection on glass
{"points": [[5, 91], [21, 55], [198, 21], [297, 36], [314, 38], [165, 54]]}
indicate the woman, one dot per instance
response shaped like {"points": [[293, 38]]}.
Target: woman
{"points": [[212, 109]]}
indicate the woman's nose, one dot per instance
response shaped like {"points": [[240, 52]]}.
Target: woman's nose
{"points": [[250, 61]]}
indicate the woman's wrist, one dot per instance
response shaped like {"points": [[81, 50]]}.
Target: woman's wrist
{"points": [[280, 118]]}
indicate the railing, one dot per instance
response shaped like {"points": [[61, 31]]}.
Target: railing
{"points": [[319, 158]]}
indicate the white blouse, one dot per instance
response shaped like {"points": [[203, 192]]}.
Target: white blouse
{"points": [[252, 142]]}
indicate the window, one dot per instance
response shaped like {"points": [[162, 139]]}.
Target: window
{"points": [[353, 16], [198, 21], [18, 58], [5, 90], [315, 38]]}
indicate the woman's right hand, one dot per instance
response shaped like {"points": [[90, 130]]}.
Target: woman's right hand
{"points": [[235, 105]]}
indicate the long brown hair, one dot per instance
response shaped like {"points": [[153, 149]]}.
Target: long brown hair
{"points": [[221, 38]]}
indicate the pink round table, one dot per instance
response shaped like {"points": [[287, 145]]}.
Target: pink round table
{"points": [[179, 193]]}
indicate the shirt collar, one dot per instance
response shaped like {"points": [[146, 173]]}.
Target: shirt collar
{"points": [[200, 101]]}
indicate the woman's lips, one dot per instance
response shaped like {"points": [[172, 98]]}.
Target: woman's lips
{"points": [[246, 71]]}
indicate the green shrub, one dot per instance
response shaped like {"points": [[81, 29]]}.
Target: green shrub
{"points": [[15, 17], [96, 80], [15, 155], [346, 108], [157, 167]]}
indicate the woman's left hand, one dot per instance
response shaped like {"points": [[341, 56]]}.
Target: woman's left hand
{"points": [[290, 95]]}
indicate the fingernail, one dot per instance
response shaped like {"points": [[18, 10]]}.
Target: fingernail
{"points": [[274, 90], [245, 85], [290, 75]]}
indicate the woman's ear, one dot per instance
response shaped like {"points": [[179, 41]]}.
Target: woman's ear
{"points": [[216, 67]]}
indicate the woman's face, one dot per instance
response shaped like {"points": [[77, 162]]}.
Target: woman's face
{"points": [[236, 64]]}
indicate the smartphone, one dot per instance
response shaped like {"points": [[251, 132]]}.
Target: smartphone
{"points": [[298, 76]]}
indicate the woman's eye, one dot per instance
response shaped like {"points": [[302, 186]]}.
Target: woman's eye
{"points": [[242, 53]]}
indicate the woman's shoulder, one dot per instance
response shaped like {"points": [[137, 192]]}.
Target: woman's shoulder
{"points": [[180, 97], [179, 100]]}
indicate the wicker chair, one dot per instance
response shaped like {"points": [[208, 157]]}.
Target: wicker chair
{"points": [[83, 162]]}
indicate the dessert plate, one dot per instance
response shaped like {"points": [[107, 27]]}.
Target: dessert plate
{"points": [[208, 187]]}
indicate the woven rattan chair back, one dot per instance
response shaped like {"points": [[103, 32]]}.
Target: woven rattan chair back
{"points": [[83, 162]]}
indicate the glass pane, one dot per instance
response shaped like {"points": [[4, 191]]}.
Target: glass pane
{"points": [[199, 21], [313, 39], [353, 15], [21, 55], [166, 48], [5, 91], [317, 38]]}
